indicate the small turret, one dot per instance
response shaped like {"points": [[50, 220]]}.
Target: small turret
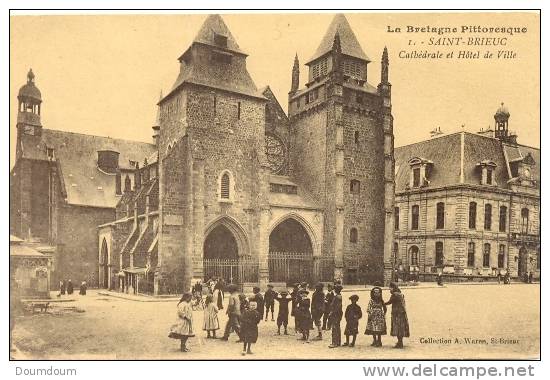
{"points": [[156, 125], [385, 67], [30, 100], [295, 76]]}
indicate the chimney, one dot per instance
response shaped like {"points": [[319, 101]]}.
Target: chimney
{"points": [[436, 132], [486, 132]]}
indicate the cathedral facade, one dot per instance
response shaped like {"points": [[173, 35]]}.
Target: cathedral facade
{"points": [[255, 196]]}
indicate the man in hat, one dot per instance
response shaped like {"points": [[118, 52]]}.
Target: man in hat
{"points": [[259, 299], [269, 299], [298, 317], [335, 317], [328, 302], [282, 316], [233, 312], [318, 308]]}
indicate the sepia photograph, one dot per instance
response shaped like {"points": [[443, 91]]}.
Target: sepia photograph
{"points": [[223, 185]]}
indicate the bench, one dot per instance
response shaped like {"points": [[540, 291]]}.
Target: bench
{"points": [[40, 306]]}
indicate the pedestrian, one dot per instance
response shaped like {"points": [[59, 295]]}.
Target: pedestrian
{"points": [[183, 328], [211, 322], [335, 317], [399, 320], [507, 277], [249, 326], [70, 288], [294, 305], [376, 322], [305, 320], [259, 299], [530, 277], [83, 288], [499, 277], [62, 287], [440, 279], [233, 312], [269, 298], [328, 302], [218, 289], [318, 309], [353, 315], [282, 316]]}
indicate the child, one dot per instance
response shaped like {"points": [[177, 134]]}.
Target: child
{"points": [[233, 312], [305, 323], [376, 322], [211, 322], [269, 298], [294, 305], [282, 316], [259, 299], [353, 315], [328, 302], [183, 328], [249, 327]]}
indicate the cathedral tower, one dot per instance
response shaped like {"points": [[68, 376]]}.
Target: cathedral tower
{"points": [[30, 100], [343, 152]]}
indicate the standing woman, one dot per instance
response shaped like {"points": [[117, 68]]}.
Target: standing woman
{"points": [[376, 323], [219, 295], [183, 328], [399, 321]]}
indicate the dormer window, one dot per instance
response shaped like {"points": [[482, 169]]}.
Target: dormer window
{"points": [[420, 171], [50, 153], [487, 172], [220, 40]]}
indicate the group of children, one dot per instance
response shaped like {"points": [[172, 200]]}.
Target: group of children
{"points": [[324, 311]]}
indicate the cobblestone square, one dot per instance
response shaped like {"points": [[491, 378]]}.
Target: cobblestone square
{"points": [[451, 322]]}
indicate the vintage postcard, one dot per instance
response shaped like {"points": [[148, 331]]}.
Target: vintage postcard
{"points": [[221, 185]]}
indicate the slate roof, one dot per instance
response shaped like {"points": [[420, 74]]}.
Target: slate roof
{"points": [[76, 155], [348, 41], [300, 200], [445, 153], [232, 77]]}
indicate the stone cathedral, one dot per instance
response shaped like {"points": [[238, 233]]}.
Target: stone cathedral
{"points": [[234, 187]]}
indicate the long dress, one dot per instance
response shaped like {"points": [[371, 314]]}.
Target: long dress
{"points": [[376, 322], [211, 321], [183, 327], [399, 320], [353, 315], [249, 326]]}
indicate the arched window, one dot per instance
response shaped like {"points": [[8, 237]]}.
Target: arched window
{"points": [[440, 217], [486, 255], [353, 235], [414, 255], [488, 216], [127, 184], [472, 215], [471, 254], [439, 253], [355, 186], [502, 218], [224, 186], [414, 218], [524, 221], [501, 249]]}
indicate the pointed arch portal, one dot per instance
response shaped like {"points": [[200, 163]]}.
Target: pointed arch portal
{"points": [[290, 253]]}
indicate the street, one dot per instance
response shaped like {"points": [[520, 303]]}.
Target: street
{"points": [[452, 322]]}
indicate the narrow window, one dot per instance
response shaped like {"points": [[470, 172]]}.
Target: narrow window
{"points": [[524, 221], [353, 235], [489, 176], [215, 104], [49, 152], [472, 215], [224, 190], [220, 40], [471, 254], [355, 186], [414, 219], [486, 255], [488, 216], [440, 217], [395, 251], [502, 219], [414, 255], [239, 110], [501, 249], [439, 253], [396, 218], [416, 177], [356, 137]]}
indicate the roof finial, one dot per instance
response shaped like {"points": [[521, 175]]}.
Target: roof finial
{"points": [[30, 76]]}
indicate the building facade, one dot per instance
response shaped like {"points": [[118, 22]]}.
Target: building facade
{"points": [[468, 205], [253, 195]]}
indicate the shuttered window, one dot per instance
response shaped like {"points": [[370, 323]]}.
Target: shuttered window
{"points": [[224, 190]]}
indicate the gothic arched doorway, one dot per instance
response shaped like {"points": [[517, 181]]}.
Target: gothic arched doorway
{"points": [[290, 253], [225, 254], [104, 265]]}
